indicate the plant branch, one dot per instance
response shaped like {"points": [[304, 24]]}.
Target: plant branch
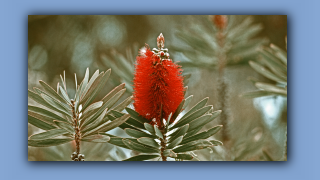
{"points": [[164, 140], [76, 156], [163, 146], [223, 90]]}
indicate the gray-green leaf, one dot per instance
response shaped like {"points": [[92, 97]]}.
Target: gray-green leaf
{"points": [[202, 135], [169, 153], [175, 142], [36, 97], [66, 126], [95, 123], [194, 145], [51, 91], [40, 124], [109, 125], [113, 92], [199, 105], [187, 101], [92, 107], [123, 104], [139, 147], [65, 95], [137, 134], [178, 110], [136, 116], [48, 142], [271, 88], [46, 113], [97, 138], [265, 72], [179, 132], [158, 132], [186, 119], [86, 88], [57, 105], [141, 157], [184, 156], [149, 142], [48, 134], [131, 121], [216, 142], [149, 128], [96, 88], [203, 120]]}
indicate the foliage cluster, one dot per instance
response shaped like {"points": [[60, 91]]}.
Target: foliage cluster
{"points": [[106, 128]]}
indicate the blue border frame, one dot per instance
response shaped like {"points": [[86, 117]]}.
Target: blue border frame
{"points": [[303, 24]]}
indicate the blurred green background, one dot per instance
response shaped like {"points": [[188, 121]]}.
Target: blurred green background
{"points": [[73, 43]]}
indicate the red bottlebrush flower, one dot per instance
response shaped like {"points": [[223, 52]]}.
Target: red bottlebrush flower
{"points": [[220, 21], [157, 81]]}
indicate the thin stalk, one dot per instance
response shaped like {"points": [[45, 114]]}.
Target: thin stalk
{"points": [[223, 91], [77, 136], [163, 146], [163, 142]]}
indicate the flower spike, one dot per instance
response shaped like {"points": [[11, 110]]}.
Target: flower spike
{"points": [[157, 83]]}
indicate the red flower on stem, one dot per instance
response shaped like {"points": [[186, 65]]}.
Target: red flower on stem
{"points": [[157, 83]]}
